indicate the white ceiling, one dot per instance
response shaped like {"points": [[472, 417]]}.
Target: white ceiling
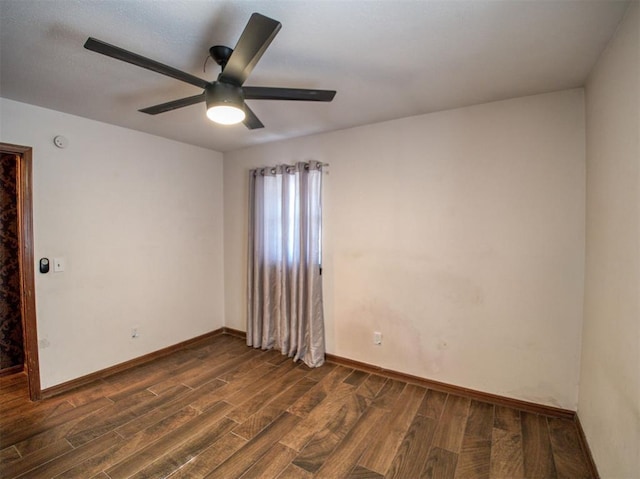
{"points": [[387, 59]]}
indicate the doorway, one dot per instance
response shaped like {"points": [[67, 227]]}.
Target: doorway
{"points": [[24, 274]]}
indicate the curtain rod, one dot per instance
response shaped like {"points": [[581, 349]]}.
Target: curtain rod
{"points": [[286, 167]]}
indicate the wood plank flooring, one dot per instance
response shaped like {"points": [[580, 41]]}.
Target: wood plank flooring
{"points": [[222, 410]]}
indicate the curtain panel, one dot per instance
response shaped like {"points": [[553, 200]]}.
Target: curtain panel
{"points": [[284, 284]]}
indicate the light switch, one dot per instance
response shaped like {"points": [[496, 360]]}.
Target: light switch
{"points": [[58, 265]]}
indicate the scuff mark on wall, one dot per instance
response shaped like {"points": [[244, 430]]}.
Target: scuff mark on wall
{"points": [[402, 342]]}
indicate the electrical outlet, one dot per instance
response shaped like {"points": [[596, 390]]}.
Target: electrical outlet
{"points": [[135, 333], [377, 338]]}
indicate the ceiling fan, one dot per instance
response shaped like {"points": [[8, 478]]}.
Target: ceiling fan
{"points": [[224, 97]]}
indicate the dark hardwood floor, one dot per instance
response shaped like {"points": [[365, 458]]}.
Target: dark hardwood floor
{"points": [[222, 410]]}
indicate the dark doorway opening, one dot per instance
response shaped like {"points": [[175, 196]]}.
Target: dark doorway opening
{"points": [[22, 155]]}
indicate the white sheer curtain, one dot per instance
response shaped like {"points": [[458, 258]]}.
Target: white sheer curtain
{"points": [[284, 283]]}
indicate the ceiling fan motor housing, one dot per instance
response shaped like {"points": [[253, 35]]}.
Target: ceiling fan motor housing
{"points": [[220, 93]]}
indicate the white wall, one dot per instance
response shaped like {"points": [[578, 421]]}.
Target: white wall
{"points": [[609, 405], [139, 220], [459, 235]]}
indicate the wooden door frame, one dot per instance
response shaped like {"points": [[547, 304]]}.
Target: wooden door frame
{"points": [[26, 258]]}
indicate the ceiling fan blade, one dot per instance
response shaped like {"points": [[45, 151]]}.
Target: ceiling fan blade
{"points": [[296, 94], [172, 105], [253, 42], [251, 121], [138, 60]]}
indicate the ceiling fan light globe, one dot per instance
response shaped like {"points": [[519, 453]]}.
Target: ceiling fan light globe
{"points": [[225, 114]]}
